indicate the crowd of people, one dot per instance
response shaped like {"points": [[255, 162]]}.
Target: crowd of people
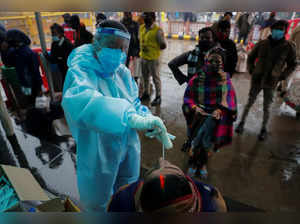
{"points": [[103, 92]]}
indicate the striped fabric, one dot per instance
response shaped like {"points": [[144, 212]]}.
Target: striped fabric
{"points": [[210, 92]]}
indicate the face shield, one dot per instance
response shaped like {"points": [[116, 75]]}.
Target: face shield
{"points": [[111, 38], [111, 46]]}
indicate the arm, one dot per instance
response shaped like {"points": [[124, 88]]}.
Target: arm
{"points": [[87, 108], [52, 58], [252, 57], [190, 94], [175, 64], [234, 58], [291, 62], [161, 39]]}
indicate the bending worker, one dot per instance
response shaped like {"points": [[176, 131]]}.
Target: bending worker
{"points": [[103, 111]]}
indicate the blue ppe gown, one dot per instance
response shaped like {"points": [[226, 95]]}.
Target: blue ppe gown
{"points": [[97, 107]]}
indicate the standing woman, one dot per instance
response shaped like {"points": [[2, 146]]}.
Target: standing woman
{"points": [[60, 50]]}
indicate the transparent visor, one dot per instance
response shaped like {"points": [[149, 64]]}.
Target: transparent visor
{"points": [[111, 38]]}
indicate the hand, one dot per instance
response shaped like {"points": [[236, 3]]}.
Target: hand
{"points": [[149, 122], [199, 110], [164, 137], [217, 114]]}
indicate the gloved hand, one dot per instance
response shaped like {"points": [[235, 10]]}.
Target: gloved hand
{"points": [[164, 138], [151, 123]]}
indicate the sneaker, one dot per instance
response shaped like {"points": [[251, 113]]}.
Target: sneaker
{"points": [[240, 128], [156, 101], [145, 97], [263, 134]]}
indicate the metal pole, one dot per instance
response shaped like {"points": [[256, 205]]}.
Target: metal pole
{"points": [[44, 49]]}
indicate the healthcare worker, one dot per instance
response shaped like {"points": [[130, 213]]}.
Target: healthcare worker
{"points": [[103, 111]]}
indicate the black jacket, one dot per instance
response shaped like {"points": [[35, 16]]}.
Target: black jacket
{"points": [[133, 29], [59, 55], [231, 55], [83, 36]]}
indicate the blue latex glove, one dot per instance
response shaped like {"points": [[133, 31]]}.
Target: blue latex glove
{"points": [[138, 122], [151, 122], [164, 137]]}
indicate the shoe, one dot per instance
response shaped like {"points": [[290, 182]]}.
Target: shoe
{"points": [[18, 151], [145, 97], [240, 128], [201, 173], [263, 134], [156, 101], [191, 172]]}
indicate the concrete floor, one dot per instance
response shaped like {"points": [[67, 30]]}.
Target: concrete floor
{"points": [[265, 175]]}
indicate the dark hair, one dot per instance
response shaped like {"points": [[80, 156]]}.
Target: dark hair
{"points": [[2, 33], [280, 23], [66, 17], [223, 25], [101, 16], [220, 51], [75, 20], [153, 196], [151, 14], [58, 28], [205, 29], [113, 24], [228, 13]]}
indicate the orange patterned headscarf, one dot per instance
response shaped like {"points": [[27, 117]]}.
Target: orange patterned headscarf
{"points": [[190, 203]]}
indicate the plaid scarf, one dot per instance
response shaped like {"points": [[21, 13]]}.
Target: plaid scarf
{"points": [[193, 61], [212, 91]]}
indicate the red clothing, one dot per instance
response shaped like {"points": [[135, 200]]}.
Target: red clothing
{"points": [[69, 33]]}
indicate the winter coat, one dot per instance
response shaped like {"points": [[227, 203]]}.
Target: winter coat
{"points": [[271, 61]]}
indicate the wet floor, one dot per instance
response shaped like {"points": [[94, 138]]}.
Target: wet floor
{"points": [[265, 175], [262, 174]]}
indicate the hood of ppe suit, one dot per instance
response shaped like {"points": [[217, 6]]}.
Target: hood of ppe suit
{"points": [[83, 56]]}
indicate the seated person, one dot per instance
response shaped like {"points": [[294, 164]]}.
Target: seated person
{"points": [[167, 189], [210, 109]]}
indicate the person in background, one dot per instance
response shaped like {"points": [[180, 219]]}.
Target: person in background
{"points": [[103, 111], [68, 31], [266, 26], [152, 41], [61, 48], [271, 60], [194, 58], [25, 61], [166, 189], [244, 28], [6, 120], [227, 17], [222, 37], [210, 108], [296, 38], [187, 18], [100, 18], [82, 35], [133, 29]]}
